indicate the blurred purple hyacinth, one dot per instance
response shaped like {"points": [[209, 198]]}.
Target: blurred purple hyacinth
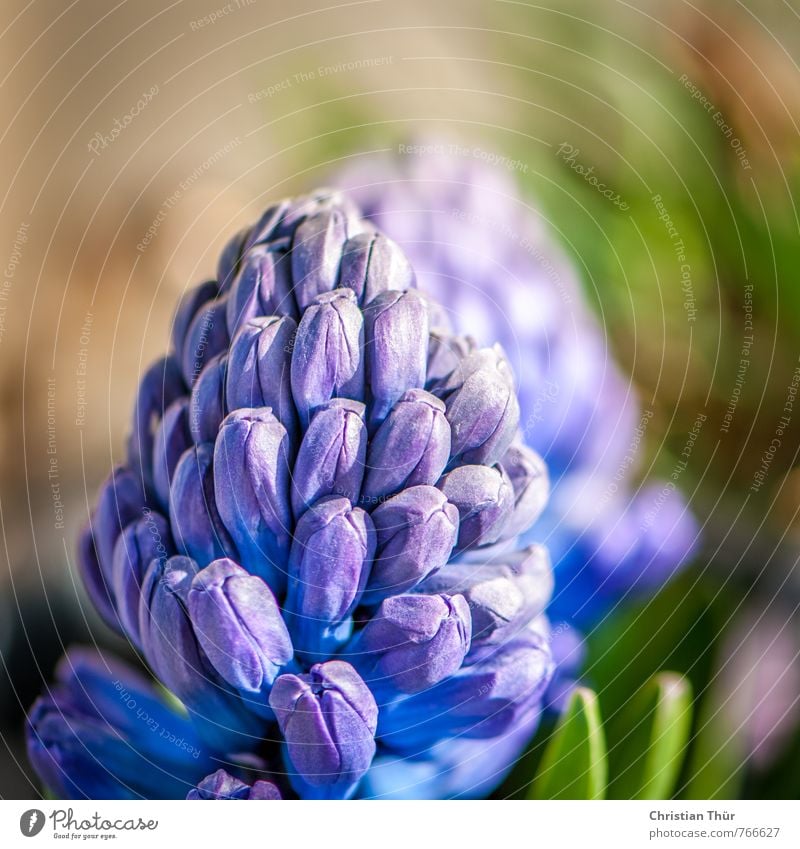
{"points": [[488, 256], [313, 543]]}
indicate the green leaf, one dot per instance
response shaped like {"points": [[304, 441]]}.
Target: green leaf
{"points": [[718, 759], [574, 763], [647, 742]]}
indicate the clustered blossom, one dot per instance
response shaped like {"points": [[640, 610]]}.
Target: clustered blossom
{"points": [[482, 250], [313, 544]]}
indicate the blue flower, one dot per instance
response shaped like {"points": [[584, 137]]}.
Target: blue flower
{"points": [[314, 539], [481, 250]]}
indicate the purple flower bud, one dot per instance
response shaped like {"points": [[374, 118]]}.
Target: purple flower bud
{"points": [[438, 315], [327, 361], [416, 531], [331, 456], [143, 541], [411, 446], [120, 502], [316, 252], [190, 303], [445, 353], [170, 646], [238, 623], [284, 218], [264, 791], [251, 481], [173, 438], [329, 565], [228, 263], [269, 227], [161, 385], [479, 701], [222, 785], [197, 528], [485, 501], [207, 403], [259, 372], [98, 586], [527, 472], [206, 337], [502, 597], [412, 642], [328, 719], [262, 287], [482, 407], [396, 348], [371, 264]]}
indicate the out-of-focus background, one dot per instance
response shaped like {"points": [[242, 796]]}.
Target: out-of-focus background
{"points": [[138, 136]]}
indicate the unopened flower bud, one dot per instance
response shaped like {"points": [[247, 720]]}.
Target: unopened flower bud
{"points": [[262, 287], [173, 438], [326, 360], [411, 446], [251, 482], [328, 719], [207, 402], [331, 457], [220, 785], [415, 532], [316, 252], [482, 407], [238, 623], [329, 566], [412, 642], [485, 501], [396, 348], [197, 529], [171, 647], [161, 385], [503, 597], [259, 370], [371, 264], [143, 541], [528, 475]]}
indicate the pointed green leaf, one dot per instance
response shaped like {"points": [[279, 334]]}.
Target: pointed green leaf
{"points": [[574, 763], [718, 758], [647, 742]]}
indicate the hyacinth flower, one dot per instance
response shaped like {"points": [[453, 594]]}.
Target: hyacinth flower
{"points": [[482, 251], [313, 543]]}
